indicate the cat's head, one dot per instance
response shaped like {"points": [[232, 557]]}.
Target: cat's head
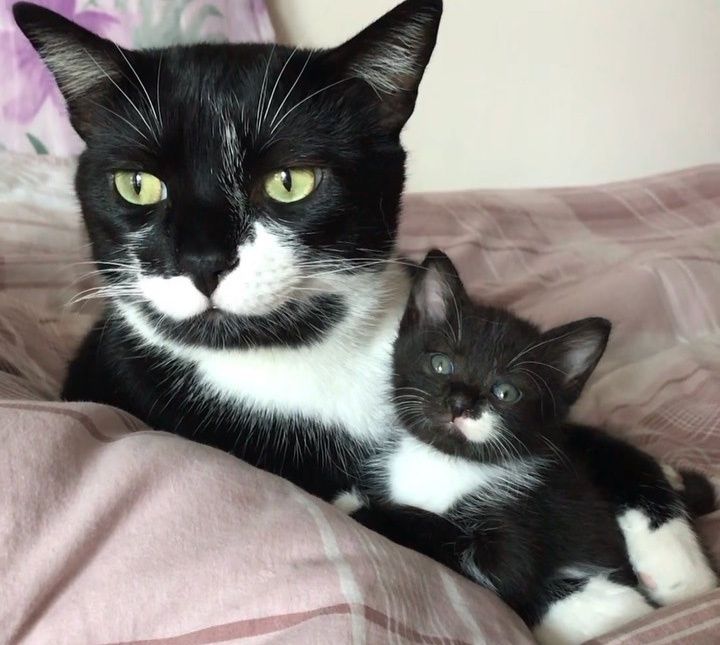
{"points": [[239, 195], [479, 381]]}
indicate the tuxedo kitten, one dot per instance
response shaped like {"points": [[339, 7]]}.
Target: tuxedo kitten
{"points": [[242, 202], [573, 528]]}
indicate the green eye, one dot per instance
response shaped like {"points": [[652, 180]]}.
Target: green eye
{"points": [[441, 364], [506, 392], [140, 188], [290, 184]]}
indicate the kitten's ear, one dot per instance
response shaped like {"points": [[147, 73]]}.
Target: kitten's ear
{"points": [[435, 291], [575, 350], [391, 55], [82, 63]]}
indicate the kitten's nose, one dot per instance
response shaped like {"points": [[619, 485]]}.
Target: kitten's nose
{"points": [[460, 404], [206, 271]]}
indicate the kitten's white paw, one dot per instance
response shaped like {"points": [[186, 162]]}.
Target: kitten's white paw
{"points": [[349, 501], [668, 560], [596, 609]]}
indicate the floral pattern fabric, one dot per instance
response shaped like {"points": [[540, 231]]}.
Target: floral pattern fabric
{"points": [[32, 112]]}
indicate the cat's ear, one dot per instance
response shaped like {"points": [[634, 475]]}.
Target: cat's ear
{"points": [[435, 292], [83, 64], [391, 55], [574, 351]]}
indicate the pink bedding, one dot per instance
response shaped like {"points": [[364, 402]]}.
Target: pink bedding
{"points": [[110, 533]]}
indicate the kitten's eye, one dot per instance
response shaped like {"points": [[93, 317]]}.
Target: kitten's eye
{"points": [[506, 392], [290, 184], [140, 188], [441, 364]]}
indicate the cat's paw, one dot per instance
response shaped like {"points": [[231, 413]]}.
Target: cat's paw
{"points": [[669, 559]]}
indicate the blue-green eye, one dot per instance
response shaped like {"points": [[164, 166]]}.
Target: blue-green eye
{"points": [[506, 392], [441, 364]]}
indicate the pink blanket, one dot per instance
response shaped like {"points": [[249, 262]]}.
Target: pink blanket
{"points": [[110, 533]]}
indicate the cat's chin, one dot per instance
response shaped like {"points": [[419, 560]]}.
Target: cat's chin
{"points": [[219, 329]]}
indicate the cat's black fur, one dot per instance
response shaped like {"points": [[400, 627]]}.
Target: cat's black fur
{"points": [[532, 547], [212, 121]]}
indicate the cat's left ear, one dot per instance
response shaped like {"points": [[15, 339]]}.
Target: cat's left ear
{"points": [[84, 65], [435, 292], [391, 55], [575, 350]]}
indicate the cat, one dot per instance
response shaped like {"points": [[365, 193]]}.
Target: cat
{"points": [[242, 205], [486, 475]]}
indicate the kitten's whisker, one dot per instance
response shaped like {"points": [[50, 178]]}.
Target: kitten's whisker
{"points": [[536, 345], [552, 367]]}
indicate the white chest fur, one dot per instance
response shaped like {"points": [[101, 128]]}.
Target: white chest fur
{"points": [[420, 476], [345, 380]]}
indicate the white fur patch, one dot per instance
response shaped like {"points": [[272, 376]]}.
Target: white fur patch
{"points": [[596, 609], [421, 476], [349, 501], [674, 477], [481, 429], [264, 278], [668, 559], [175, 297], [343, 380]]}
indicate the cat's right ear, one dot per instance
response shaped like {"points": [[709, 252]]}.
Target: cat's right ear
{"points": [[84, 65], [391, 55], [436, 291]]}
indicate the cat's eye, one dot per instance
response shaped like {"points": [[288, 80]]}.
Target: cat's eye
{"points": [[290, 184], [506, 392], [441, 364], [139, 188]]}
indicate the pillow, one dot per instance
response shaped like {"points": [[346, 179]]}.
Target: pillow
{"points": [[32, 111]]}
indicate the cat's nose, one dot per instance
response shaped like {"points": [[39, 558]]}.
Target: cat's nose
{"points": [[206, 271], [461, 405]]}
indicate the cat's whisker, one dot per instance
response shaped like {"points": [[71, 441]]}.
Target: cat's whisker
{"points": [[142, 87], [307, 98], [132, 103], [292, 87], [263, 91], [277, 80]]}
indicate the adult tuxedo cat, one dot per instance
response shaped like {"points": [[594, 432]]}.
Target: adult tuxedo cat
{"points": [[242, 203]]}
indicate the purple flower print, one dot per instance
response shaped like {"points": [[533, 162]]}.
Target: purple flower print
{"points": [[33, 82]]}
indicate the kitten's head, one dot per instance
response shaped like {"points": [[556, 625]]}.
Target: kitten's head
{"points": [[479, 381], [237, 195]]}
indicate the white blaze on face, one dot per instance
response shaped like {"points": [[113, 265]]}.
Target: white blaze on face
{"points": [[263, 280], [480, 429], [265, 276], [175, 297]]}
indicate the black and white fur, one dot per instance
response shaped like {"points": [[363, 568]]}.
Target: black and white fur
{"points": [[575, 529], [262, 328]]}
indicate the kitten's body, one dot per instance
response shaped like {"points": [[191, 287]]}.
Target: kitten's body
{"points": [[260, 322], [486, 476]]}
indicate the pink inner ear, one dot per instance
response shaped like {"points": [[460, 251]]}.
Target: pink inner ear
{"points": [[432, 297]]}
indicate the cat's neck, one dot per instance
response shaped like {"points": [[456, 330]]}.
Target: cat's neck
{"points": [[342, 380]]}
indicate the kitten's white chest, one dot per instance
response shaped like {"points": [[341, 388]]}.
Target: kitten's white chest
{"points": [[421, 476]]}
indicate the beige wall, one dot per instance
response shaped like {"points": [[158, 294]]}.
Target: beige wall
{"points": [[542, 92]]}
